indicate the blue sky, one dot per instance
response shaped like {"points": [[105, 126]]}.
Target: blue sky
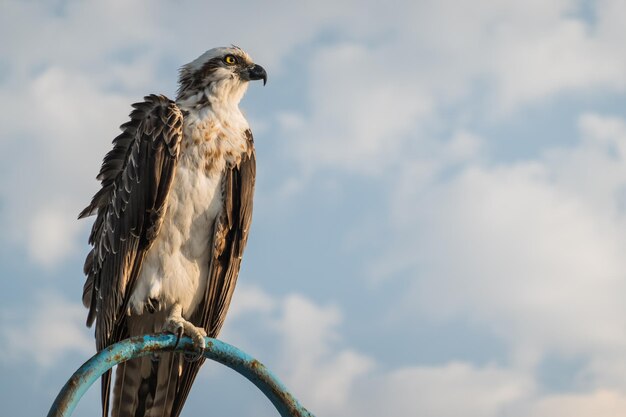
{"points": [[440, 211]]}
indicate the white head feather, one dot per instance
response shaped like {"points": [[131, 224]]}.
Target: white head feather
{"points": [[209, 79]]}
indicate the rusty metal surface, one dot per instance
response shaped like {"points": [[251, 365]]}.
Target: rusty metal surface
{"points": [[216, 350]]}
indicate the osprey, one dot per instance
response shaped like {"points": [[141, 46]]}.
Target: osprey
{"points": [[172, 221]]}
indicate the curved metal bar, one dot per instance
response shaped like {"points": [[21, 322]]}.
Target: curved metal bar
{"points": [[139, 346]]}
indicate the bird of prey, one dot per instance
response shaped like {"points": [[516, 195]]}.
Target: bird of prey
{"points": [[172, 221]]}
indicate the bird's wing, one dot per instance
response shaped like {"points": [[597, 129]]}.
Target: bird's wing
{"points": [[136, 176], [230, 234]]}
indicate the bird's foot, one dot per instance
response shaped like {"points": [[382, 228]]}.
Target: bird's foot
{"points": [[177, 325]]}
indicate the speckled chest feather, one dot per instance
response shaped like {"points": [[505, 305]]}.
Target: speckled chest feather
{"points": [[177, 265]]}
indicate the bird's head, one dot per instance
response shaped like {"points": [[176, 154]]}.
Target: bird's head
{"points": [[219, 74]]}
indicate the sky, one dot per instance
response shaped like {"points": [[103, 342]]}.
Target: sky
{"points": [[440, 211]]}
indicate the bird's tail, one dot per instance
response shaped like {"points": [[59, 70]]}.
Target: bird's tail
{"points": [[147, 386]]}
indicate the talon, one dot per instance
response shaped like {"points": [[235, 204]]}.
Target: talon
{"points": [[179, 334], [177, 325]]}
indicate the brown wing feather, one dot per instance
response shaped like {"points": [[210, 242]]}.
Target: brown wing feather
{"points": [[230, 235], [136, 176]]}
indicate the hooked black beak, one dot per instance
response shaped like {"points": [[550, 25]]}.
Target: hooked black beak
{"points": [[257, 72]]}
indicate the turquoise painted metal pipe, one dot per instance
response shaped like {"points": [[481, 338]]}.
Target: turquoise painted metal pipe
{"points": [[135, 347]]}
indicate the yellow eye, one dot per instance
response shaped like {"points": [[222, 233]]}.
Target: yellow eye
{"points": [[230, 60]]}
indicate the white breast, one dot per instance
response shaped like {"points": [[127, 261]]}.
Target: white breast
{"points": [[176, 266]]}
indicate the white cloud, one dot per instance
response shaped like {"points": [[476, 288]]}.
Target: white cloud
{"points": [[310, 361], [305, 345], [449, 390], [601, 403], [462, 147], [527, 51], [375, 99], [337, 381], [45, 332], [331, 379], [58, 129], [362, 114], [250, 299], [52, 234], [532, 251]]}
